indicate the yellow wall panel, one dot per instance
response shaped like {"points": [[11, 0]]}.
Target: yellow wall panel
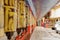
{"points": [[9, 20], [22, 14], [10, 17], [9, 2]]}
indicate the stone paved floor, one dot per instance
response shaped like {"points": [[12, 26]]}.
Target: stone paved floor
{"points": [[41, 33]]}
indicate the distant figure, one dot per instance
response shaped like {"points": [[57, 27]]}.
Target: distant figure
{"points": [[42, 24], [47, 24]]}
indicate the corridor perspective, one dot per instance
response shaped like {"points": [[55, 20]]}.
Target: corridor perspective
{"points": [[29, 19]]}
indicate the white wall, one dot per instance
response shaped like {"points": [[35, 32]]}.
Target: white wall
{"points": [[55, 13]]}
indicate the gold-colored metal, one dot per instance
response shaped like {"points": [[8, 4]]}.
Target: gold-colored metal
{"points": [[21, 14], [9, 15], [9, 2], [9, 19]]}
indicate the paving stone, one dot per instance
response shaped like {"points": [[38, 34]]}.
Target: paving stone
{"points": [[41, 33]]}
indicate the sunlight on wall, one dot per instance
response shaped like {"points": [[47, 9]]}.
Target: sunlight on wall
{"points": [[55, 13]]}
